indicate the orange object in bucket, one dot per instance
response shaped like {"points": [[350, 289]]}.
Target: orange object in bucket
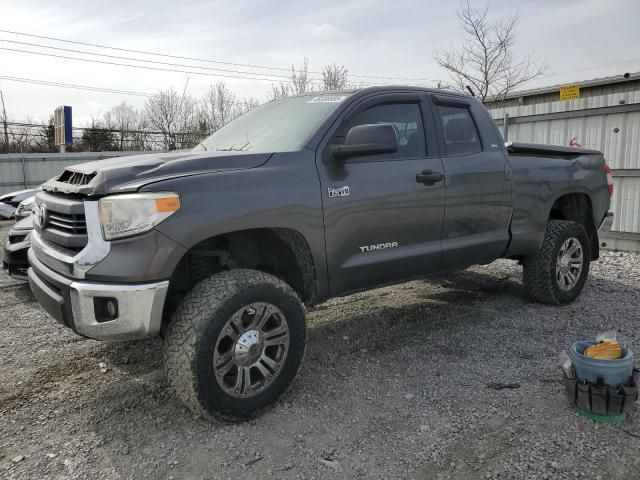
{"points": [[608, 350]]}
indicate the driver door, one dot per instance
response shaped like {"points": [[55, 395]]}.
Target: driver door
{"points": [[382, 224]]}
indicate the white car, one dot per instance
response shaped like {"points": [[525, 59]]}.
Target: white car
{"points": [[9, 202], [26, 208]]}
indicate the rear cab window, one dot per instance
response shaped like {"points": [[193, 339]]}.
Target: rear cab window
{"points": [[459, 130]]}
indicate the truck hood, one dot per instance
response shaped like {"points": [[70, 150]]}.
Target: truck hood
{"points": [[126, 174]]}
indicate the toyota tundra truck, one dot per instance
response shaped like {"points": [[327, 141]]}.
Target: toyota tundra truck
{"points": [[220, 249]]}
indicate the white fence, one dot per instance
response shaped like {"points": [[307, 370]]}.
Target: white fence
{"points": [[20, 171]]}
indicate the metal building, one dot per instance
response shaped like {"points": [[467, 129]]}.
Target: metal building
{"points": [[605, 116]]}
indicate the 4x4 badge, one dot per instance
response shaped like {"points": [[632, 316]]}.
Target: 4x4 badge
{"points": [[338, 191]]}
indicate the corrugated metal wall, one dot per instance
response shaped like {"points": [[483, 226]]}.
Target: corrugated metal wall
{"points": [[606, 118], [20, 171]]}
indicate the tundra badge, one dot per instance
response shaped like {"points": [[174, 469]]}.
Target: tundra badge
{"points": [[339, 191], [379, 246]]}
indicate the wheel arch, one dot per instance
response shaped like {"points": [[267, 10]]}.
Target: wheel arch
{"points": [[283, 252], [577, 206]]}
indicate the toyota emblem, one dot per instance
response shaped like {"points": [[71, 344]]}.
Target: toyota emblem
{"points": [[42, 215]]}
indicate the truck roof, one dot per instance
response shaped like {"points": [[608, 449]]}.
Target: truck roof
{"points": [[385, 88]]}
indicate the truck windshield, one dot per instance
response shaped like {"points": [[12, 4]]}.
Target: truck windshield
{"points": [[278, 126]]}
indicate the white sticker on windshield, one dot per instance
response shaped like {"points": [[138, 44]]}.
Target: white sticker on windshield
{"points": [[328, 99]]}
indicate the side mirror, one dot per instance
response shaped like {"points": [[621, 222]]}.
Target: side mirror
{"points": [[367, 140]]}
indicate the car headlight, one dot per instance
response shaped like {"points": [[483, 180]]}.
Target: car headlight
{"points": [[27, 206], [132, 214]]}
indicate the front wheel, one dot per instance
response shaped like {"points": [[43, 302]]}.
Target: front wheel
{"points": [[557, 273], [235, 344]]}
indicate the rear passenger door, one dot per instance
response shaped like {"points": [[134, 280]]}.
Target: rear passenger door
{"points": [[477, 182], [382, 225]]}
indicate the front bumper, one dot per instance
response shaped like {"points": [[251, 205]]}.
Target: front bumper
{"points": [[14, 259], [75, 304]]}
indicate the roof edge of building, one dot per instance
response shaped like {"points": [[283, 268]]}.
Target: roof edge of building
{"points": [[626, 77]]}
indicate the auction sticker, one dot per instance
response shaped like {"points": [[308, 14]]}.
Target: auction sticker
{"points": [[328, 99]]}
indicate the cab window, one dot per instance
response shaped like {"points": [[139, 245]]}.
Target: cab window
{"points": [[460, 132]]}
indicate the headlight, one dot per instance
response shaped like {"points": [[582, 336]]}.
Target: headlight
{"points": [[131, 214], [27, 206]]}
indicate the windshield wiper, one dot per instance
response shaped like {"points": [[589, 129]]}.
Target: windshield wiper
{"points": [[233, 148]]}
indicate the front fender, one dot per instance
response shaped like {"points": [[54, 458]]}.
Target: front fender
{"points": [[284, 193]]}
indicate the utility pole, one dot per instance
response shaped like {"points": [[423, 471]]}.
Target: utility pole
{"points": [[4, 121]]}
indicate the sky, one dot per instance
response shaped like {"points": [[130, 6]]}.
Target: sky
{"points": [[576, 39]]}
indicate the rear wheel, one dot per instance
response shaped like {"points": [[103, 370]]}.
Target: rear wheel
{"points": [[557, 273], [235, 344]]}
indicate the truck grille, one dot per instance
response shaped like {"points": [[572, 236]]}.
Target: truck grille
{"points": [[68, 223], [63, 223]]}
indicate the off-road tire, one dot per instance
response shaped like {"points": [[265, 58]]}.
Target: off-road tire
{"points": [[539, 272], [193, 331]]}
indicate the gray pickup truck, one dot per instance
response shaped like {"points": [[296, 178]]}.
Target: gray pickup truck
{"points": [[219, 249]]}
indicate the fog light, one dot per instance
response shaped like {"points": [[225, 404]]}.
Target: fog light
{"points": [[111, 307], [105, 308]]}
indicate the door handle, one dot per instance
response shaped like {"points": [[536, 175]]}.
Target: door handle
{"points": [[429, 177]]}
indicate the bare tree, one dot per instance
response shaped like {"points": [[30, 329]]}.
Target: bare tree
{"points": [[279, 90], [485, 62], [334, 77], [220, 106], [174, 116], [122, 119], [141, 139], [300, 81], [248, 104], [22, 138]]}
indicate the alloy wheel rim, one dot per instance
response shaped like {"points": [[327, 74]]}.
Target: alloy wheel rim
{"points": [[569, 264], [251, 349]]}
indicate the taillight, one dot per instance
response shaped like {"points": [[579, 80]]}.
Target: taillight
{"points": [[607, 170]]}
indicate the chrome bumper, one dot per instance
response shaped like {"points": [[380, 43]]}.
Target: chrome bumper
{"points": [[139, 310], [606, 224], [73, 303]]}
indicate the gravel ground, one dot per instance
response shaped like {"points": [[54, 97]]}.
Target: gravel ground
{"points": [[394, 385]]}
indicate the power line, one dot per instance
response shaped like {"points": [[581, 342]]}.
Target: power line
{"points": [[117, 57], [144, 67], [555, 74], [219, 62], [74, 86]]}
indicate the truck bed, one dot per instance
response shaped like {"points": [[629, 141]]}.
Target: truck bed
{"points": [[520, 148]]}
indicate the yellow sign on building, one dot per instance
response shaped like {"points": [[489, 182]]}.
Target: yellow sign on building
{"points": [[570, 92]]}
